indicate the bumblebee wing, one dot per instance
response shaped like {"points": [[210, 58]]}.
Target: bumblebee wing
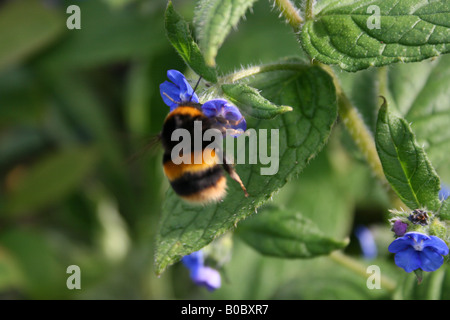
{"points": [[153, 144]]}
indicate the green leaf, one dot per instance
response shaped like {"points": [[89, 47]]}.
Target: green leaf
{"points": [[286, 234], [409, 31], [25, 28], [405, 163], [186, 228], [214, 20], [181, 39], [254, 276], [22, 97], [419, 92], [50, 180], [36, 262], [251, 102], [444, 211], [10, 275], [331, 170]]}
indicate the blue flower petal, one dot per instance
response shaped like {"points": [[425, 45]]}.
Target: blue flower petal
{"points": [[408, 259], [179, 90], [186, 93], [177, 78], [444, 193], [400, 244], [212, 108], [193, 260], [231, 112], [430, 259], [223, 109], [437, 244], [367, 242], [417, 237], [171, 90], [208, 277]]}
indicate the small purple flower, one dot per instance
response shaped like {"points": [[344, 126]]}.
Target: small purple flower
{"points": [[444, 193], [200, 274], [178, 91], [418, 251], [220, 108], [367, 242], [399, 228]]}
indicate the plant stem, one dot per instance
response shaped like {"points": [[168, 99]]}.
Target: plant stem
{"points": [[357, 128], [357, 267], [309, 9], [291, 13], [382, 81], [245, 73]]}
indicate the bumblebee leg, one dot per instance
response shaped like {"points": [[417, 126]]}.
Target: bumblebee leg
{"points": [[233, 174], [235, 123], [234, 132]]}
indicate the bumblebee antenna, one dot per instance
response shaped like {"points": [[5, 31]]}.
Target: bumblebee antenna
{"points": [[195, 88]]}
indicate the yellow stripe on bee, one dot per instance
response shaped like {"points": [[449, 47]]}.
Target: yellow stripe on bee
{"points": [[212, 194], [185, 110], [174, 171]]}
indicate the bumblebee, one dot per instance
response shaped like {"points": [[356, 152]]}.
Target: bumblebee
{"points": [[198, 182]]}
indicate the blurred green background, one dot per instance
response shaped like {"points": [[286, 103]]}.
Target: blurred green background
{"points": [[75, 105]]}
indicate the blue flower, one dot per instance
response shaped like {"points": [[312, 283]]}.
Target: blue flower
{"points": [[444, 192], [367, 242], [222, 109], [206, 277], [418, 251], [194, 260], [200, 274], [178, 91]]}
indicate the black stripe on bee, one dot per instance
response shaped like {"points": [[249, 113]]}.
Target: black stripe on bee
{"points": [[191, 183]]}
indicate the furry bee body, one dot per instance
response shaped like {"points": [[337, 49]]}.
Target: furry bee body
{"points": [[198, 182]]}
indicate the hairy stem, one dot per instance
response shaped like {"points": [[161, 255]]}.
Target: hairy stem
{"points": [[290, 12], [382, 81], [357, 128], [360, 269], [309, 9], [245, 73]]}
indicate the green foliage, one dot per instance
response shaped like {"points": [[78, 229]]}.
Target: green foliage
{"points": [[31, 28], [214, 19], [405, 163], [302, 134], [285, 233], [342, 34], [180, 37], [76, 104], [419, 92], [444, 210], [50, 180], [251, 102]]}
